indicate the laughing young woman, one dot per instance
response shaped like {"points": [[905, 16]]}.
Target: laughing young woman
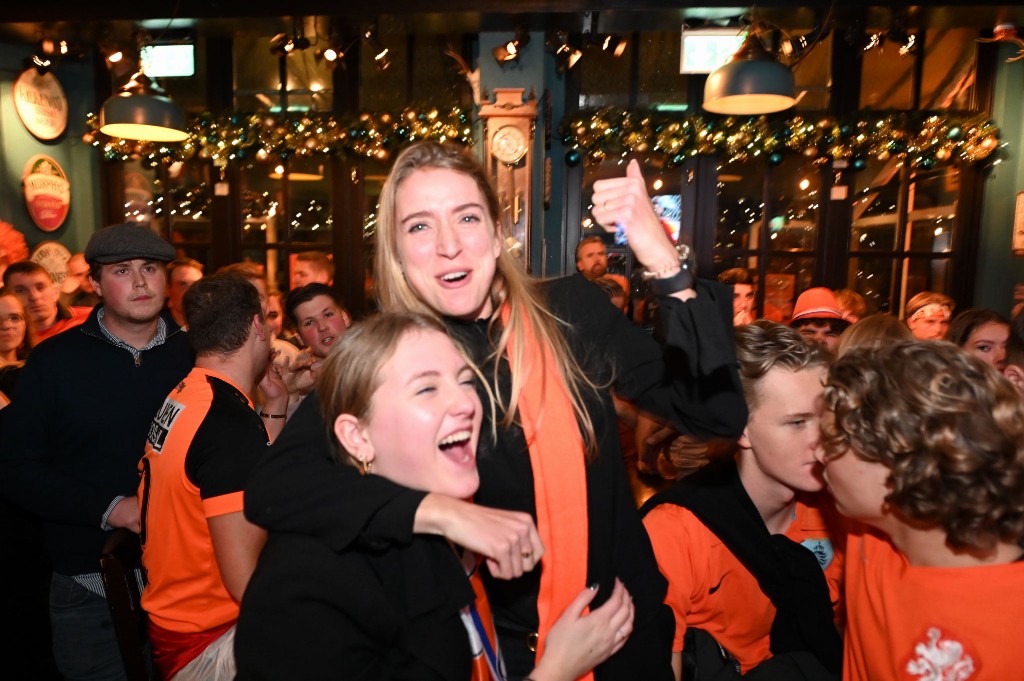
{"points": [[401, 402], [550, 352]]}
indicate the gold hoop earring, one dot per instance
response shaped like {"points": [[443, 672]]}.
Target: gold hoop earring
{"points": [[366, 465]]}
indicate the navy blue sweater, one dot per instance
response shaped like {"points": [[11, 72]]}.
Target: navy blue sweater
{"points": [[76, 429]]}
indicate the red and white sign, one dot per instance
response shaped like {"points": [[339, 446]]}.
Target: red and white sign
{"points": [[41, 104], [47, 192]]}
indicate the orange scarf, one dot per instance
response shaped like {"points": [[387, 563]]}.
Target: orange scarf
{"points": [[559, 479]]}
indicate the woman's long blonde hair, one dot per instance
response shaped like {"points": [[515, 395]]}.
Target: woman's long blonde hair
{"points": [[512, 285]]}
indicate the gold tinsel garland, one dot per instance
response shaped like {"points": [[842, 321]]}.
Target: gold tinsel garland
{"points": [[267, 135], [920, 139]]}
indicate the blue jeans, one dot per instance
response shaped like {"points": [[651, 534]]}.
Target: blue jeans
{"points": [[84, 643]]}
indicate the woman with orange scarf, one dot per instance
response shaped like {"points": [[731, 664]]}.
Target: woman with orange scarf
{"points": [[550, 351]]}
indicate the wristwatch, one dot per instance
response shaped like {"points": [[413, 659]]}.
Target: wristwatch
{"points": [[680, 281]]}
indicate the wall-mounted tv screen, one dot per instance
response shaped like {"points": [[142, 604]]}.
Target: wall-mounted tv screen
{"points": [[705, 49]]}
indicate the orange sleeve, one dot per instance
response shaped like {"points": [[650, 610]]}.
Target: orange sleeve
{"points": [[680, 557], [224, 504]]}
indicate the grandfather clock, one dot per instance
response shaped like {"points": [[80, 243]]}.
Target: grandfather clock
{"points": [[510, 126]]}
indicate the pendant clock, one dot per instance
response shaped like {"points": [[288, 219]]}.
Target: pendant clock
{"points": [[510, 126]]}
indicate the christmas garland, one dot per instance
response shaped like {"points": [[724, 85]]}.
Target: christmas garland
{"points": [[920, 139], [268, 135]]}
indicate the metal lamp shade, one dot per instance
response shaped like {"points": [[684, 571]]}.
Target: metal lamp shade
{"points": [[753, 82], [142, 112]]}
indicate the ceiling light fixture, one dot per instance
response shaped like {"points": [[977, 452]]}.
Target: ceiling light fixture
{"points": [[567, 52], [614, 44], [751, 83], [510, 50], [381, 54], [142, 111]]}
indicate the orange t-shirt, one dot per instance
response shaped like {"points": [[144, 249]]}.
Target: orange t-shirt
{"points": [[201, 446], [76, 316], [709, 588], [911, 623]]}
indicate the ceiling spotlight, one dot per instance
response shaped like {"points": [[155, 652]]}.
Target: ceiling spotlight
{"points": [[614, 44], [567, 53], [898, 36], [278, 42], [510, 50], [381, 56], [47, 51], [115, 56]]}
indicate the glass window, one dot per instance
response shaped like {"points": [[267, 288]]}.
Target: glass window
{"points": [[932, 203], [796, 197], [740, 205], [172, 200], [950, 60], [258, 77], [812, 77], [887, 77], [660, 82], [785, 278], [926, 274], [873, 278]]}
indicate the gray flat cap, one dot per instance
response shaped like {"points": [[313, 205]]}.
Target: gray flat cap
{"points": [[127, 242]]}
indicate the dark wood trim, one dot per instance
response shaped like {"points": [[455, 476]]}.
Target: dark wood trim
{"points": [[348, 204], [699, 195], [227, 218], [970, 200], [75, 10]]}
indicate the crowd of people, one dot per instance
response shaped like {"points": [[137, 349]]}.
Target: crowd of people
{"points": [[438, 491]]}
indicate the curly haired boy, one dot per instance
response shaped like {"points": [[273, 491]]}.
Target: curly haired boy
{"points": [[925, 446]]}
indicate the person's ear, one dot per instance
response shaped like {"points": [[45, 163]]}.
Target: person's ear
{"points": [[95, 285], [744, 440], [1015, 374], [352, 435], [260, 328]]}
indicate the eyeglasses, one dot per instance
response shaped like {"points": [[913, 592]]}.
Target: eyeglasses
{"points": [[12, 319]]}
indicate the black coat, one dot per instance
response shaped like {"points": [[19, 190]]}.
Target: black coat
{"points": [[310, 613]]}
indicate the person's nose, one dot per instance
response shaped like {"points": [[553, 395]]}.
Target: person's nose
{"points": [[463, 402], [819, 451], [448, 243]]}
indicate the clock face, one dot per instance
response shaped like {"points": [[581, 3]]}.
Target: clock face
{"points": [[509, 144]]}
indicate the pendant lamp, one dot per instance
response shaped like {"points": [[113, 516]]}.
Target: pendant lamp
{"points": [[751, 83], [142, 111]]}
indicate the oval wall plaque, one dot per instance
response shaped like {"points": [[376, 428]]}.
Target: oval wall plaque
{"points": [[47, 192], [41, 104]]}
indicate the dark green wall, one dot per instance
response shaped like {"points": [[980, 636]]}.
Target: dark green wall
{"points": [[78, 159]]}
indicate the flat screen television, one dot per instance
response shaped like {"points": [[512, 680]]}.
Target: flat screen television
{"points": [[705, 49]]}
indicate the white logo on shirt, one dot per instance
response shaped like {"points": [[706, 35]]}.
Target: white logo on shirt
{"points": [[162, 423], [940, 659]]}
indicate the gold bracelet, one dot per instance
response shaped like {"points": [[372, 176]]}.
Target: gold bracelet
{"points": [[272, 416]]}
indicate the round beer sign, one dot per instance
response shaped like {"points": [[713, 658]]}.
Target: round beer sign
{"points": [[41, 104], [47, 192], [53, 256]]}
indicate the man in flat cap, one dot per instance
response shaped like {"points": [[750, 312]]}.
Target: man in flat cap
{"points": [[77, 427]]}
